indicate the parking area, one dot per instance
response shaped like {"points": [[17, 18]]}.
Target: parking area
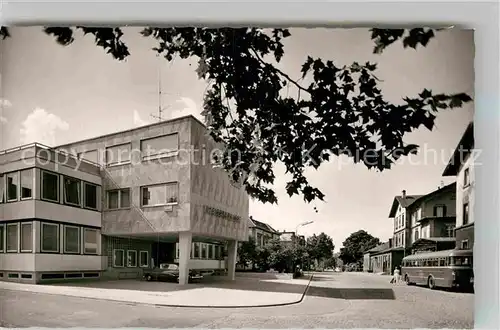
{"points": [[211, 291]]}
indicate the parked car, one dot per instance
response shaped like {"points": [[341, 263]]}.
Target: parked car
{"points": [[168, 272]]}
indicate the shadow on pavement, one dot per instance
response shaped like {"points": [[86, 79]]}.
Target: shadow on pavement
{"points": [[245, 284]]}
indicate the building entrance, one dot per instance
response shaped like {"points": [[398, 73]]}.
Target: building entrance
{"points": [[162, 252]]}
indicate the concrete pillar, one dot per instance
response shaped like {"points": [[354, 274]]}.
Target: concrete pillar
{"points": [[232, 251], [185, 239]]}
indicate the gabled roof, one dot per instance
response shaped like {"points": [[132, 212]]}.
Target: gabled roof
{"points": [[451, 187], [403, 201], [461, 152], [262, 225], [378, 248]]}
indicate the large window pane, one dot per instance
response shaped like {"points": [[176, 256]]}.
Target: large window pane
{"points": [[90, 155], [162, 146], [196, 253], [26, 237], [131, 258], [27, 183], [50, 237], [12, 186], [203, 250], [2, 230], [172, 192], [160, 194], [71, 239], [72, 191], [118, 258], [90, 241], [2, 188], [12, 238], [90, 195], [144, 259], [113, 199], [118, 154], [50, 186], [125, 198]]}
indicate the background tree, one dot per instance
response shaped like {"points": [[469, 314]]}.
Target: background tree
{"points": [[355, 245], [247, 253], [340, 110], [320, 247]]}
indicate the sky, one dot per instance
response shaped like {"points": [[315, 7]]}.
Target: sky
{"points": [[55, 95]]}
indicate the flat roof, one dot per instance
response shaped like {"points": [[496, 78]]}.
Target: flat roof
{"points": [[134, 129]]}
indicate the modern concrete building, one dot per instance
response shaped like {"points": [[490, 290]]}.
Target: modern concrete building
{"points": [[160, 199], [432, 220], [50, 216], [461, 166]]}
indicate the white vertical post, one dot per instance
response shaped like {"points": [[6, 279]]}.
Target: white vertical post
{"points": [[232, 251], [185, 239]]}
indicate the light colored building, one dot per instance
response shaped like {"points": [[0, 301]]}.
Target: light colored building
{"points": [[461, 166], [381, 259], [160, 200], [432, 220], [400, 215], [50, 219]]}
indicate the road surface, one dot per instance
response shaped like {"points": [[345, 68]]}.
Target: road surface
{"points": [[346, 300]]}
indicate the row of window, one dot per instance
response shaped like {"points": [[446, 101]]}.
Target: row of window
{"points": [[153, 195], [16, 186], [399, 221], [399, 239], [130, 259], [201, 250], [439, 262], [151, 148], [76, 240]]}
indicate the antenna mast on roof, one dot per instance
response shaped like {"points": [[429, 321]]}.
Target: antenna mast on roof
{"points": [[160, 94]]}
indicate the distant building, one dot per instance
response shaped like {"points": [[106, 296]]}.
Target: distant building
{"points": [[401, 239], [262, 232], [432, 220], [461, 166], [382, 259], [290, 237]]}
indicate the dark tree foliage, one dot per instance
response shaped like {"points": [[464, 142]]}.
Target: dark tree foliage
{"points": [[320, 247], [247, 252], [356, 245], [341, 111]]}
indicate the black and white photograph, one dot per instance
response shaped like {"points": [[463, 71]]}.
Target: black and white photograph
{"points": [[237, 177]]}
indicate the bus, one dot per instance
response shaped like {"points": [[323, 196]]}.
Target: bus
{"points": [[443, 269]]}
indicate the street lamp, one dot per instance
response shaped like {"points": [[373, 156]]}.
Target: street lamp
{"points": [[302, 225]]}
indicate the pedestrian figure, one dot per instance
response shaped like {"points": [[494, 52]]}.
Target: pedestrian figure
{"points": [[396, 278]]}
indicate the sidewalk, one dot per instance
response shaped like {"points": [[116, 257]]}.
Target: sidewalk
{"points": [[199, 297]]}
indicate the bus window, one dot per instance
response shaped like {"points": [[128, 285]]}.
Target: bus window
{"points": [[462, 261], [441, 262], [447, 261], [434, 263]]}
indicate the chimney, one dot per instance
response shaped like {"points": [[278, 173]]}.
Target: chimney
{"points": [[404, 193], [390, 243]]}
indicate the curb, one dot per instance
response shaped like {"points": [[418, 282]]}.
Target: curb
{"points": [[181, 306]]}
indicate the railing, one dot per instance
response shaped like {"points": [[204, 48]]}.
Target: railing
{"points": [[115, 185], [43, 146]]}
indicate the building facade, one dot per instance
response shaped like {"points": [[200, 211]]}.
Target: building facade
{"points": [[401, 221], [262, 232], [461, 166], [161, 200], [50, 216], [383, 258], [432, 220]]}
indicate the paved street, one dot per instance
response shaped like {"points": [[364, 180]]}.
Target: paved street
{"points": [[346, 300]]}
